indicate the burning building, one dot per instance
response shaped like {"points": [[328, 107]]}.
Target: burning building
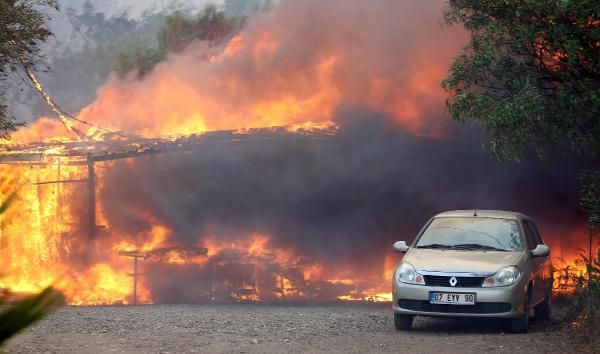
{"points": [[324, 141]]}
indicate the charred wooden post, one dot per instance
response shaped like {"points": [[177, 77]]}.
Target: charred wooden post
{"points": [[210, 281], [135, 255], [91, 197], [254, 289], [61, 182], [135, 276], [58, 194]]}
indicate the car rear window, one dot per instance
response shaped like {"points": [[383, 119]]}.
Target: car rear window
{"points": [[502, 234]]}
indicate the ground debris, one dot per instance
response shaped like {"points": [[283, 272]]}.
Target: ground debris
{"points": [[273, 329]]}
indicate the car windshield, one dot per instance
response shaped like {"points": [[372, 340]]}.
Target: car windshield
{"points": [[472, 233]]}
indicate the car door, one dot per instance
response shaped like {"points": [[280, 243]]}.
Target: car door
{"points": [[539, 263], [547, 272]]}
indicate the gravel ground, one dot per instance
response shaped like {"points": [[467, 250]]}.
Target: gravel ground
{"points": [[268, 329]]}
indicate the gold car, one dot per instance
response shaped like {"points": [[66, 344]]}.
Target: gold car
{"points": [[474, 263]]}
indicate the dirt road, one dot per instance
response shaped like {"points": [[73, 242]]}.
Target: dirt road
{"points": [[272, 329]]}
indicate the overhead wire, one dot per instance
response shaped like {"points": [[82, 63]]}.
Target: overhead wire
{"points": [[63, 116]]}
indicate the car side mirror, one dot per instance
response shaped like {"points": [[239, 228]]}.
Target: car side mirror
{"points": [[540, 251], [400, 246]]}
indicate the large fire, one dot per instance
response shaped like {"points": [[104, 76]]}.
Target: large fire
{"points": [[44, 243], [292, 67]]}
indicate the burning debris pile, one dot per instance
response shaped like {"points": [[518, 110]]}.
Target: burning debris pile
{"points": [[306, 211], [169, 254]]}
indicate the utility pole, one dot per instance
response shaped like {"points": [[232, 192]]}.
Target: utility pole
{"points": [[135, 255], [135, 275], [210, 281], [91, 184]]}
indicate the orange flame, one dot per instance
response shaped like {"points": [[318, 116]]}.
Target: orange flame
{"points": [[257, 80]]}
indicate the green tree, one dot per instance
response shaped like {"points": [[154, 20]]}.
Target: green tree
{"points": [[590, 197], [138, 58], [210, 25], [530, 73], [530, 76], [22, 30]]}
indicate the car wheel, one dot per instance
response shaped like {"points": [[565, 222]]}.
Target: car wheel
{"points": [[543, 310], [403, 322], [521, 324]]}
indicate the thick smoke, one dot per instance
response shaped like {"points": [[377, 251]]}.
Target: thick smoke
{"points": [[342, 201], [278, 219], [296, 63], [374, 68]]}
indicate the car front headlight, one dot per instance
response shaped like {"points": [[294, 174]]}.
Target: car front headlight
{"points": [[504, 277], [406, 273]]}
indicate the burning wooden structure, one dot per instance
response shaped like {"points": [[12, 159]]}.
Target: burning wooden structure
{"points": [[87, 153], [118, 147]]}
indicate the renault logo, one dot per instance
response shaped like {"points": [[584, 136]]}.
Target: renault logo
{"points": [[453, 281]]}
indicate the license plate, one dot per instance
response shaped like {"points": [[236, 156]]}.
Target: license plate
{"points": [[452, 298]]}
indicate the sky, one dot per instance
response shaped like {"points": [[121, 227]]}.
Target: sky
{"points": [[134, 8]]}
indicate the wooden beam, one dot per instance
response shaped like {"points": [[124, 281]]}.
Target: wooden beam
{"points": [[75, 152], [61, 182], [91, 198], [135, 279]]}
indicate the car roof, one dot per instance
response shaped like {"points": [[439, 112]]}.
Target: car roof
{"points": [[500, 214]]}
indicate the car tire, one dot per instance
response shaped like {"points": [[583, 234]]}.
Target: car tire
{"points": [[521, 324], [544, 309], [403, 322]]}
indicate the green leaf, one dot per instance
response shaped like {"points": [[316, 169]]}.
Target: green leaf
{"points": [[21, 315], [7, 202]]}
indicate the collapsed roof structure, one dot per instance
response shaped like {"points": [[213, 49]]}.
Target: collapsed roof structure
{"points": [[81, 152]]}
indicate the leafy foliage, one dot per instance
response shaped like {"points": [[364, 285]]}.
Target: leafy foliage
{"points": [[22, 29], [26, 312], [585, 307], [82, 65], [565, 277], [7, 202], [590, 197], [530, 74], [137, 58], [211, 25]]}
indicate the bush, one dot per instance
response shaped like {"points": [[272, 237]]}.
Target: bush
{"points": [[27, 311], [584, 310]]}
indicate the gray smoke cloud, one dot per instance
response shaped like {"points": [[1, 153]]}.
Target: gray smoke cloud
{"points": [[296, 63], [342, 201]]}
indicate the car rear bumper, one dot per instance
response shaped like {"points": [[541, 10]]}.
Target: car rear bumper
{"points": [[505, 302]]}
